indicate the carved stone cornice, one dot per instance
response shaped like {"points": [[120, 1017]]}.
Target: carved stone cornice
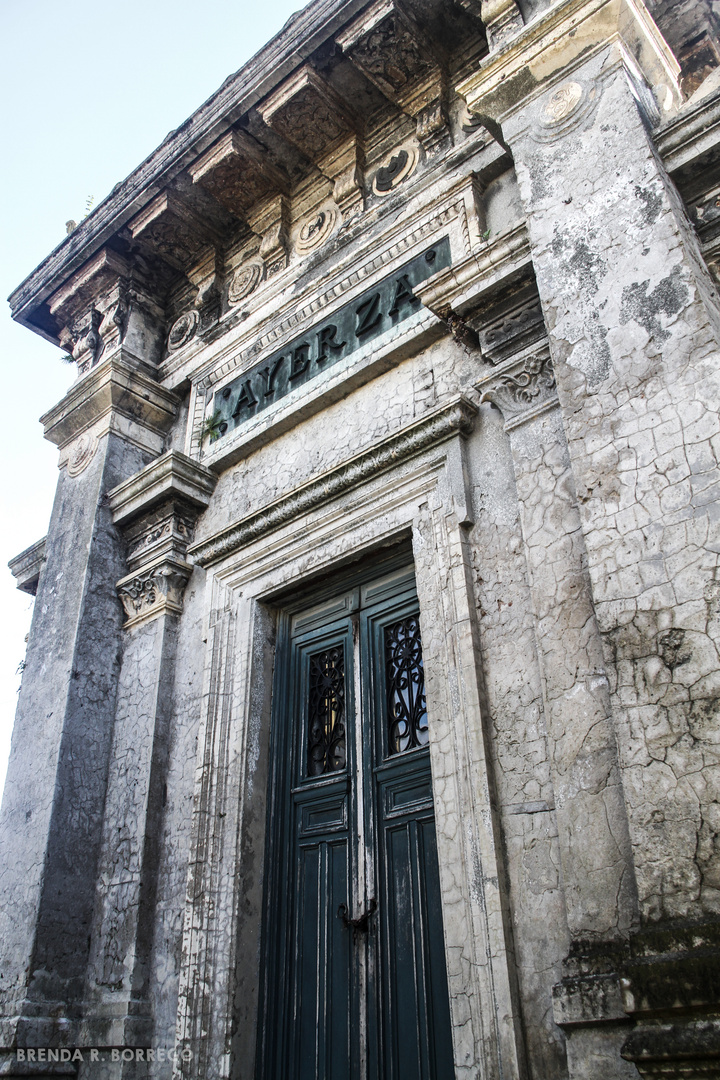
{"points": [[307, 112], [112, 387], [238, 172], [393, 52], [524, 389], [156, 510], [458, 285], [542, 53], [172, 475], [26, 566], [455, 418]]}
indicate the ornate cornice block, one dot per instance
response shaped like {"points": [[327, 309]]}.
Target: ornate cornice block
{"points": [[568, 33], [307, 112], [156, 509], [171, 476], [112, 387], [455, 418], [26, 566]]}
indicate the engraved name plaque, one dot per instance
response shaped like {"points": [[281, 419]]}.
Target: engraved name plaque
{"points": [[372, 313]]}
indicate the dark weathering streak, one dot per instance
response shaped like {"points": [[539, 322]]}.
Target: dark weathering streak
{"points": [[370, 314]]}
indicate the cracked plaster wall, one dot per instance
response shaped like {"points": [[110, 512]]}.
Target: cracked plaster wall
{"points": [[632, 315], [61, 740]]}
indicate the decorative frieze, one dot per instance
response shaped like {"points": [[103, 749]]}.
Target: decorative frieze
{"points": [[397, 167], [245, 280], [156, 510], [455, 418]]}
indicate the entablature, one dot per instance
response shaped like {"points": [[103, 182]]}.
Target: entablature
{"points": [[272, 165]]}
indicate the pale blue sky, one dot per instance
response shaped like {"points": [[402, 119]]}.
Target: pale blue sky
{"points": [[89, 90]]}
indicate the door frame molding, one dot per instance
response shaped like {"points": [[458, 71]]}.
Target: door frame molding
{"points": [[425, 498]]}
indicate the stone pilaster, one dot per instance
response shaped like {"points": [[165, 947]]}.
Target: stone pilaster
{"points": [[156, 510], [597, 871], [633, 337], [110, 424]]}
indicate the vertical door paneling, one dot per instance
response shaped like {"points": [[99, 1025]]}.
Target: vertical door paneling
{"points": [[329, 987]]}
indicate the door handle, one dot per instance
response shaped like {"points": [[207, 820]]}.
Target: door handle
{"points": [[362, 923]]}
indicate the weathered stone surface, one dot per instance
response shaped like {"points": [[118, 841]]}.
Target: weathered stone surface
{"points": [[533, 427]]}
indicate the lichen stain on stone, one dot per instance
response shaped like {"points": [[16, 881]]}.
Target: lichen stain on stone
{"points": [[652, 204], [668, 298]]}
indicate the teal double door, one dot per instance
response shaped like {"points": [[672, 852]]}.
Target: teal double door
{"points": [[354, 979]]}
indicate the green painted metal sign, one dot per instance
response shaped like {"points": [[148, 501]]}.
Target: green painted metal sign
{"points": [[372, 313]]}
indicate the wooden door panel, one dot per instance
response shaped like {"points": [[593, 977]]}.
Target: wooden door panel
{"points": [[415, 1016], [354, 978], [323, 975]]}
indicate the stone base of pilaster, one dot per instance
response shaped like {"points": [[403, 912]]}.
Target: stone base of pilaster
{"points": [[671, 988], [650, 1006]]}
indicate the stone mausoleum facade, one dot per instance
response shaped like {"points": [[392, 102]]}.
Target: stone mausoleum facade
{"points": [[370, 723]]}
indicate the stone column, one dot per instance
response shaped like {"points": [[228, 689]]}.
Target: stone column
{"points": [[109, 425], [632, 320], [156, 510]]}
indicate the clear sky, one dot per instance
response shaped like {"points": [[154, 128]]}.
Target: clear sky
{"points": [[89, 90]]}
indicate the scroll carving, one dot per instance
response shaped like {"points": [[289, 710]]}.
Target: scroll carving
{"points": [[524, 390]]}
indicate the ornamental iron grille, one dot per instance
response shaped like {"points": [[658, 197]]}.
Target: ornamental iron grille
{"points": [[326, 712], [405, 682]]}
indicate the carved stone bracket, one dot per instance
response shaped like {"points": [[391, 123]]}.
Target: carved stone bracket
{"points": [[156, 510], [169, 228], [307, 112], [271, 221], [390, 49], [105, 307], [524, 391], [503, 19], [238, 172]]}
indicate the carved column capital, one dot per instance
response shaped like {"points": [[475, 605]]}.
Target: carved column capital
{"points": [[156, 591], [523, 390], [156, 510]]}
